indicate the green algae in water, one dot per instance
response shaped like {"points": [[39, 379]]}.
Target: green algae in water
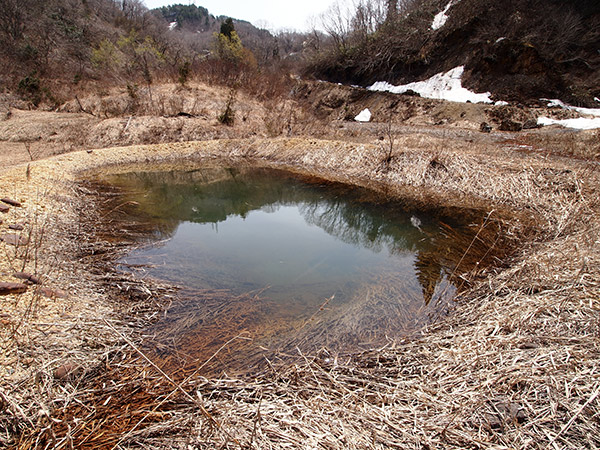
{"points": [[293, 262]]}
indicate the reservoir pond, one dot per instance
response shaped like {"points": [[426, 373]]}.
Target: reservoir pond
{"points": [[272, 265]]}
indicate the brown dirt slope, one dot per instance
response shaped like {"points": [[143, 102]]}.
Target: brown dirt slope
{"points": [[313, 109]]}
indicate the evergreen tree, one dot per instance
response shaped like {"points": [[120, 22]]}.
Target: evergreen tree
{"points": [[227, 28], [229, 48]]}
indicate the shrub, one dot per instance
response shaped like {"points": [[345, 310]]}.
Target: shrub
{"points": [[184, 73], [227, 117], [30, 89]]}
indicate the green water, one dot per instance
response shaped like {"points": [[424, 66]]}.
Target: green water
{"points": [[326, 265]]}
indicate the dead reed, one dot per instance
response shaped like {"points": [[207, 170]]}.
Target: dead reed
{"points": [[514, 366]]}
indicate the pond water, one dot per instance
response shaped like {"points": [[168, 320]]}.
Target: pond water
{"points": [[284, 264]]}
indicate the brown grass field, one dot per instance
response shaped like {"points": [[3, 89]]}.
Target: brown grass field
{"points": [[514, 366]]}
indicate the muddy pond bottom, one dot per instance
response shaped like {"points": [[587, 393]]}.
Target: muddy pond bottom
{"points": [[274, 265]]}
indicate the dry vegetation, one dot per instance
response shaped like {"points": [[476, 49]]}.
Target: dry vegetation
{"points": [[514, 366]]}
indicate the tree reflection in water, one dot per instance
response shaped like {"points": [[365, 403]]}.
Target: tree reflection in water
{"points": [[352, 215]]}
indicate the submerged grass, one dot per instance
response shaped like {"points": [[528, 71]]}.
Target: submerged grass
{"points": [[514, 366], [391, 304]]}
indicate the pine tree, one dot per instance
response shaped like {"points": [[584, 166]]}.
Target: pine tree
{"points": [[227, 28]]}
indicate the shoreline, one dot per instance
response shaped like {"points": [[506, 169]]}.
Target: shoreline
{"points": [[557, 269]]}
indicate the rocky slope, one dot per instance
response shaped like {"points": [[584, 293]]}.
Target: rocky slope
{"points": [[520, 50]]}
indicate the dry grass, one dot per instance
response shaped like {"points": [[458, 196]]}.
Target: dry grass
{"points": [[568, 143], [514, 366]]}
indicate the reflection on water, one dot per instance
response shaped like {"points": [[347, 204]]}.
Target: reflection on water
{"points": [[292, 262]]}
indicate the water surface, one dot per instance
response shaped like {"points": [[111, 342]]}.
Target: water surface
{"points": [[288, 263]]}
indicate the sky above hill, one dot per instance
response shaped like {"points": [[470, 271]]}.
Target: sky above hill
{"points": [[270, 14]]}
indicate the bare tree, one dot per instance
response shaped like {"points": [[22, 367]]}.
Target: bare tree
{"points": [[392, 10], [12, 19], [369, 15], [337, 22], [388, 147]]}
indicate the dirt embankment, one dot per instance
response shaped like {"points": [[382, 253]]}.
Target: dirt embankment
{"points": [[170, 113], [515, 365]]}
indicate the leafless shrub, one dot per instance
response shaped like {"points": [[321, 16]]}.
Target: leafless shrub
{"points": [[387, 145], [227, 116]]}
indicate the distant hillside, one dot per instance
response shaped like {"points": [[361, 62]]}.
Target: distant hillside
{"points": [[49, 50], [519, 50], [197, 25], [189, 17]]}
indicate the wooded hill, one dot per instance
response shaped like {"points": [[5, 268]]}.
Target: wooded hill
{"points": [[53, 48], [520, 50]]}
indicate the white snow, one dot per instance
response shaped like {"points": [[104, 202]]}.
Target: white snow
{"points": [[444, 86], [501, 103], [559, 104], [440, 18], [597, 99], [172, 26], [581, 123], [364, 116], [553, 103]]}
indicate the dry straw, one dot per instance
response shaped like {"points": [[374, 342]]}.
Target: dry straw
{"points": [[514, 366]]}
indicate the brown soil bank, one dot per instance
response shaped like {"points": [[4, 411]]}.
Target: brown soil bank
{"points": [[313, 109], [515, 365]]}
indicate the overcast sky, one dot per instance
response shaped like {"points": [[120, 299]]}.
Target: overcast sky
{"points": [[271, 14]]}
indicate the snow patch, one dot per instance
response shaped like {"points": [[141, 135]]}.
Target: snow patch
{"points": [[597, 99], [441, 18], [580, 124], [172, 26], [364, 116], [443, 86], [501, 103], [555, 103]]}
